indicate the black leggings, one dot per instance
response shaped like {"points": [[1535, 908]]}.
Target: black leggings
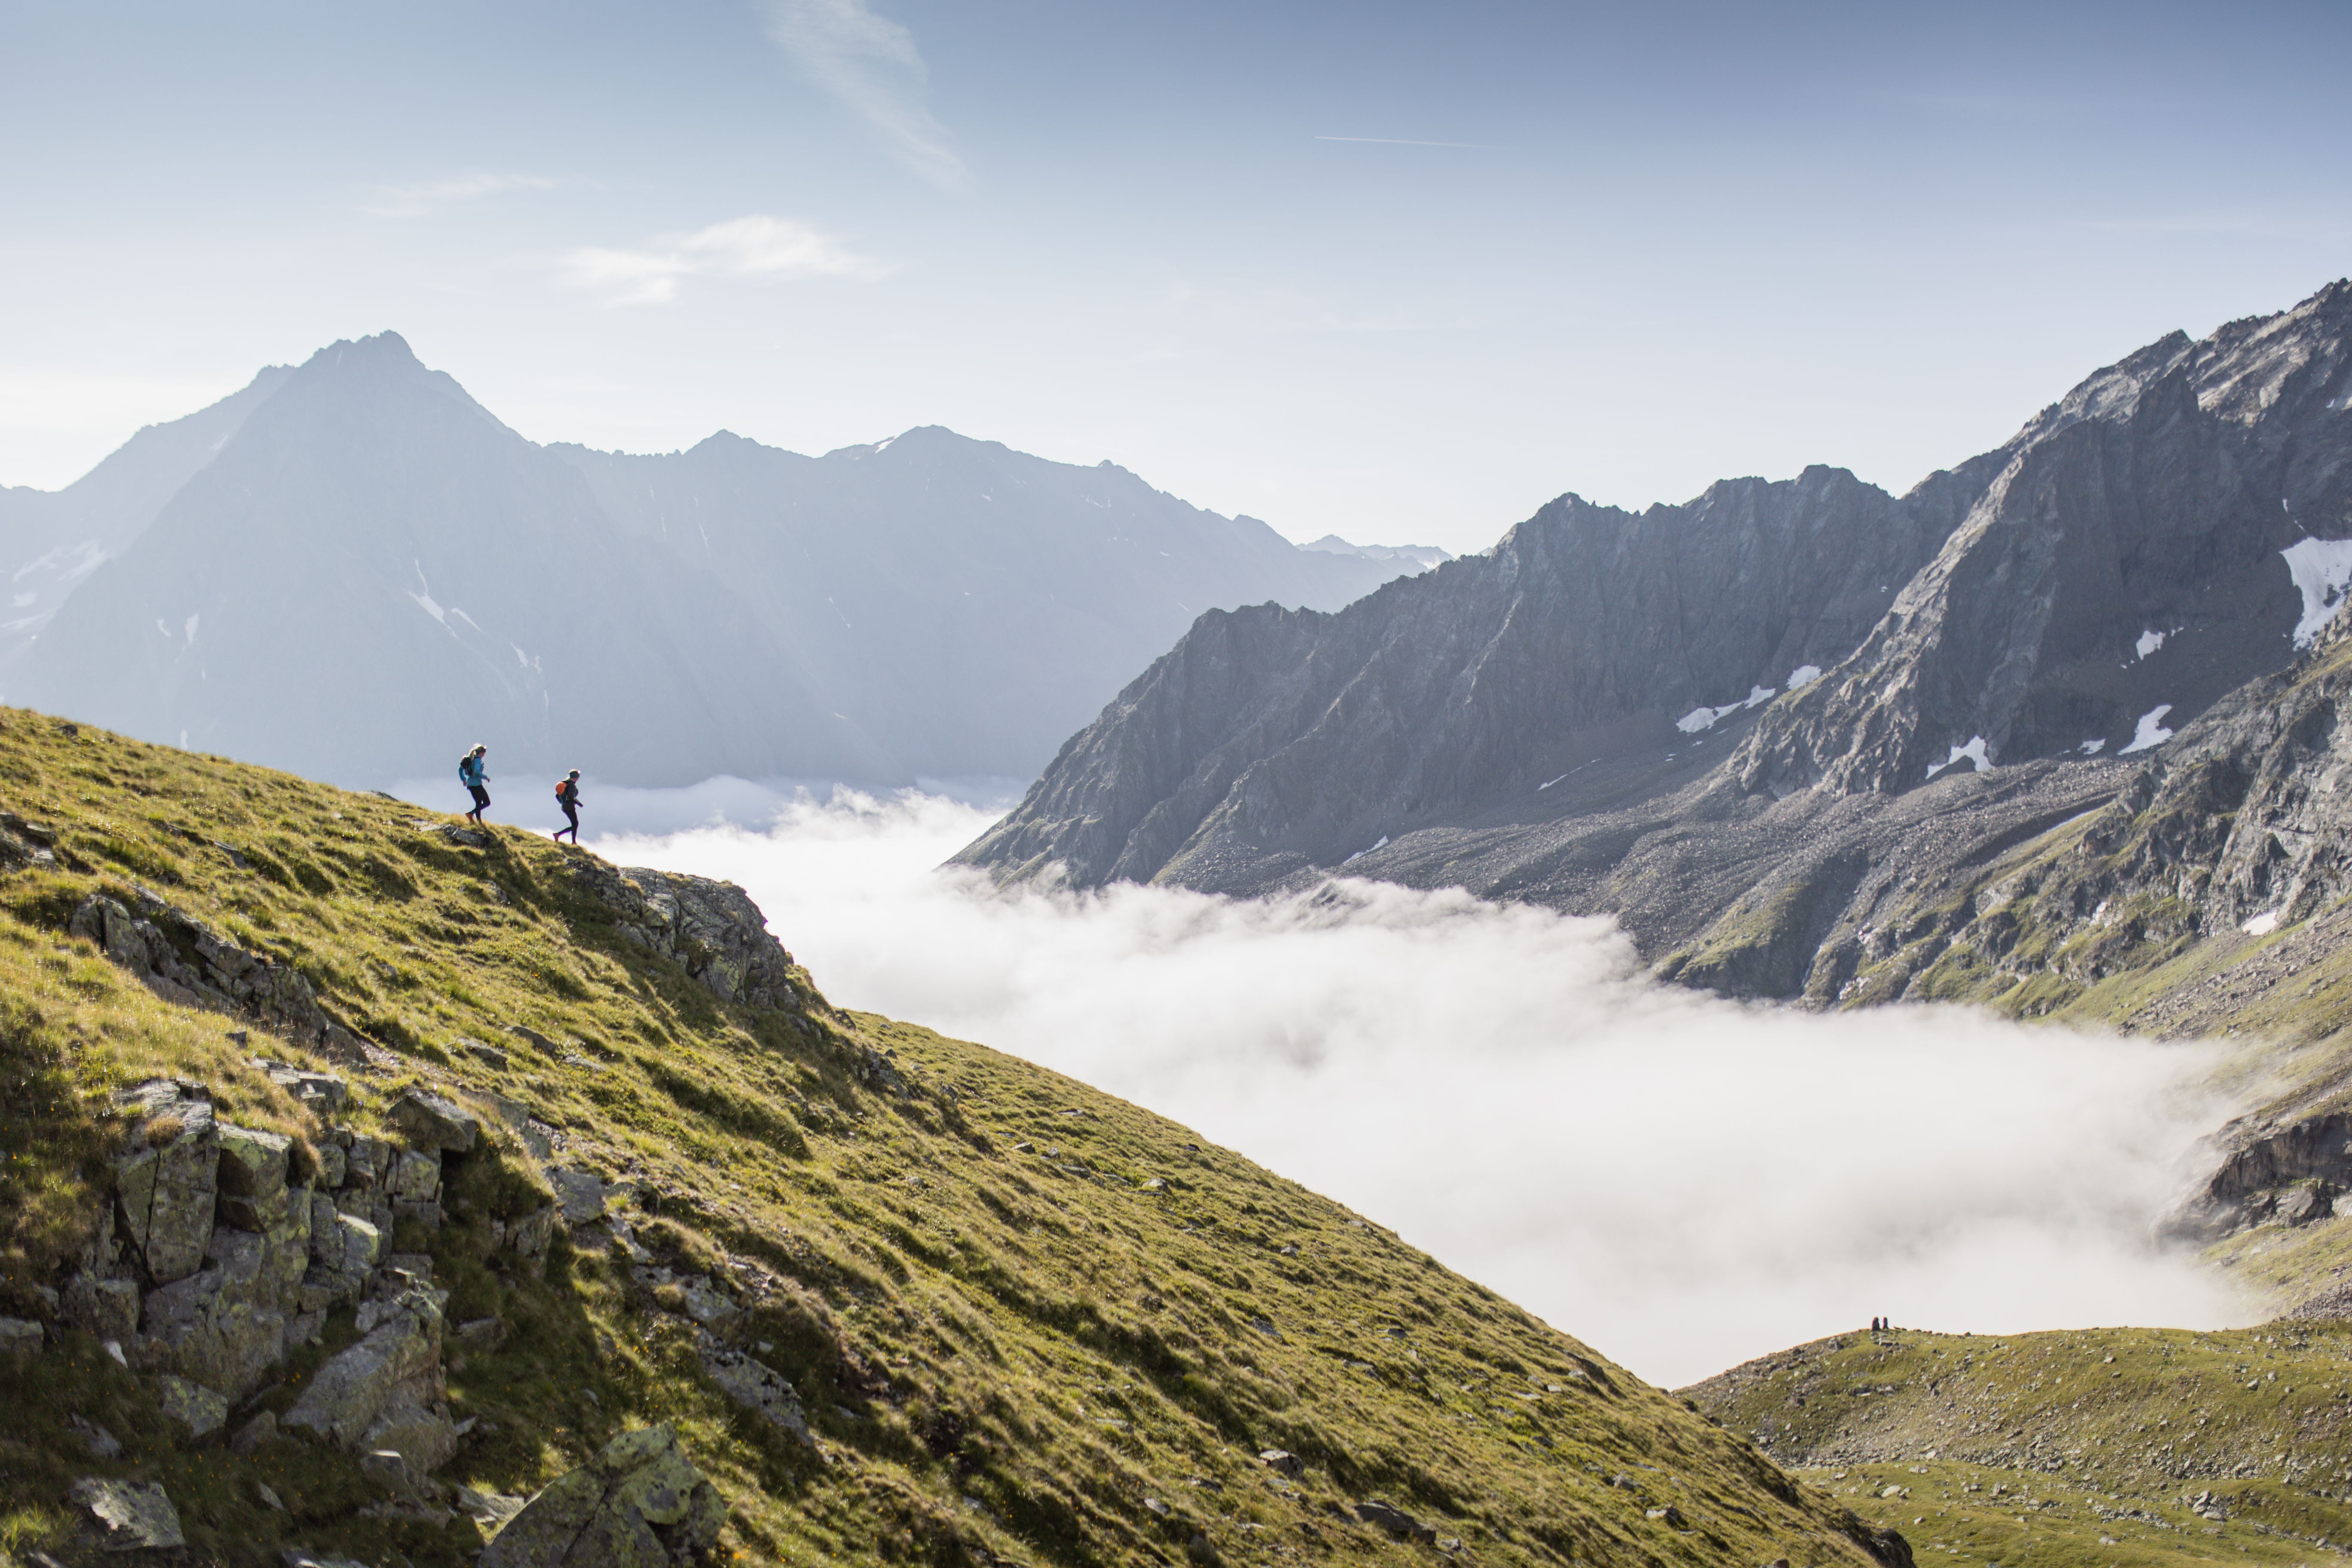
{"points": [[481, 798], [572, 812]]}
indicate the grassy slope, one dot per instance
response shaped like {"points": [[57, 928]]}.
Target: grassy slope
{"points": [[2050, 1449], [1005, 1349]]}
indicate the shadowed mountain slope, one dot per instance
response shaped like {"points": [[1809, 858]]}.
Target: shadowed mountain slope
{"points": [[1748, 723]]}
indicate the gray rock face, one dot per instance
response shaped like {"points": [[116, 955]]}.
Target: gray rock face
{"points": [[639, 1503], [2128, 553], [396, 1364], [712, 928], [1515, 725], [1268, 740], [431, 1122], [183, 959], [129, 1516], [166, 1186]]}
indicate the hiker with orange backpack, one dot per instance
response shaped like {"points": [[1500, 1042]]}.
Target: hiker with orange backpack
{"points": [[567, 795]]}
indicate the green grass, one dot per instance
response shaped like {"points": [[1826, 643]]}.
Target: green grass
{"points": [[2046, 1450], [1015, 1308]]}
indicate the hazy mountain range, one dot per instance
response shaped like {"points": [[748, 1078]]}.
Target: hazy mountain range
{"points": [[352, 570]]}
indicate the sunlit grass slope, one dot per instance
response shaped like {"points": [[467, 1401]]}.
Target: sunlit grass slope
{"points": [[1030, 1323], [2107, 1446]]}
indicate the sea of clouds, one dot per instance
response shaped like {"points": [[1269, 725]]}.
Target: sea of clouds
{"points": [[1679, 1180]]}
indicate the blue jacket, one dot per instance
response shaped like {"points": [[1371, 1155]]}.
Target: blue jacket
{"points": [[472, 770]]}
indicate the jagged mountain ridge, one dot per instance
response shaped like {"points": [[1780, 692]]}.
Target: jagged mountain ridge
{"points": [[352, 568], [1530, 729]]}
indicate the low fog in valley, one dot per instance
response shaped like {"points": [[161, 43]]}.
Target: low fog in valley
{"points": [[1682, 1181]]}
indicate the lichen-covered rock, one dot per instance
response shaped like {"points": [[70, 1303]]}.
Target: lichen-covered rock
{"points": [[757, 1387], [416, 1177], [400, 1354], [166, 1185], [199, 1409], [640, 1503], [107, 1308], [713, 928], [183, 959], [432, 1122], [129, 1516], [19, 1336], [581, 1192]]}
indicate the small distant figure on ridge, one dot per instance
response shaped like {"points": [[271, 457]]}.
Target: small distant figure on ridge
{"points": [[475, 774], [567, 795]]}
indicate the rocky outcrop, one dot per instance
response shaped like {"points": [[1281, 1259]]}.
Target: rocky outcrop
{"points": [[2128, 566], [712, 929], [640, 1503], [183, 959]]}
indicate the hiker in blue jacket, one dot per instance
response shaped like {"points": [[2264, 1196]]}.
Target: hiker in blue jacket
{"points": [[475, 774], [567, 795]]}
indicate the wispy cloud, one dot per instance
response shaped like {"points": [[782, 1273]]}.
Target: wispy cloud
{"points": [[1407, 142], [870, 64], [771, 248], [416, 200]]}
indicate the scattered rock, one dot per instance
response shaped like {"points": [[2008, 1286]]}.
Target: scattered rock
{"points": [[482, 1333], [256, 1434], [101, 1443], [1396, 1521], [432, 1122], [269, 1498], [107, 1308], [639, 1503], [1670, 1516], [390, 1470], [129, 1516], [1280, 1459], [488, 1054], [490, 1509], [757, 1387], [191, 1405], [400, 1353], [581, 1193], [19, 1337]]}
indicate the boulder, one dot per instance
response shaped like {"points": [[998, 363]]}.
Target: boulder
{"points": [[638, 1504], [581, 1192], [322, 1092], [399, 1355], [432, 1122], [129, 1516], [19, 1337], [419, 1433], [1280, 1459], [252, 1163], [101, 1443], [256, 1435], [417, 1176], [1394, 1521], [757, 1387], [107, 1308], [199, 1409], [166, 1185]]}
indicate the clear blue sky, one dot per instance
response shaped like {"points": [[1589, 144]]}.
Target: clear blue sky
{"points": [[1403, 271]]}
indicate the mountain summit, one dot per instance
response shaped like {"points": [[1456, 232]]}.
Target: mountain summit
{"points": [[1749, 725], [352, 568]]}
